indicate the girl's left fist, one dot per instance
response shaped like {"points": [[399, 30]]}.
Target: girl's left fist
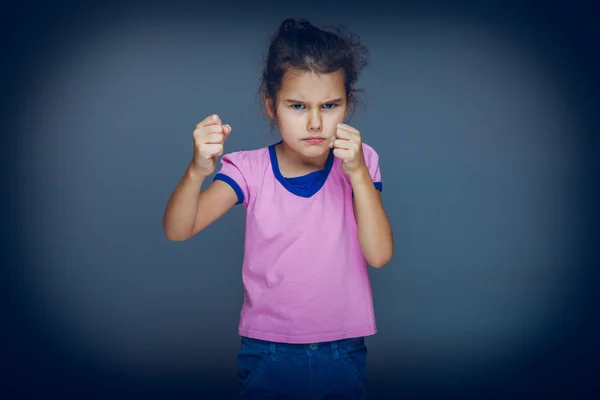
{"points": [[347, 145]]}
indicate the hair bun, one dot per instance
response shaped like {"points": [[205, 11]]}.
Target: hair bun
{"points": [[303, 24], [290, 25]]}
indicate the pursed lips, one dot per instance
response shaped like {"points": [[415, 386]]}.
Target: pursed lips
{"points": [[314, 138]]}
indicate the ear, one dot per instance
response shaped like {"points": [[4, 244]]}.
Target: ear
{"points": [[269, 105]]}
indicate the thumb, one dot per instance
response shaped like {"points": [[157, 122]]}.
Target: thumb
{"points": [[226, 130]]}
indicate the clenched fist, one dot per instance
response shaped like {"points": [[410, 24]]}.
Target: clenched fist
{"points": [[208, 144], [347, 145]]}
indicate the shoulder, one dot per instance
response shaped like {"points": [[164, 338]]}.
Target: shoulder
{"points": [[368, 148], [370, 153], [372, 161], [247, 160], [247, 155]]}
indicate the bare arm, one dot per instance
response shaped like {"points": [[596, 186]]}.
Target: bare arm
{"points": [[374, 229], [189, 211]]}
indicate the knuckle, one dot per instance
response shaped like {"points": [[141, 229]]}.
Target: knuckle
{"points": [[199, 133]]}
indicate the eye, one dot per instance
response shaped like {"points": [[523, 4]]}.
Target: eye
{"points": [[329, 106], [297, 106]]}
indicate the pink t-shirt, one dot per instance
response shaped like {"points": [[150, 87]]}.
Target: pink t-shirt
{"points": [[305, 277]]}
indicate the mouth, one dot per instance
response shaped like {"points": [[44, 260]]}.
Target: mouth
{"points": [[314, 140]]}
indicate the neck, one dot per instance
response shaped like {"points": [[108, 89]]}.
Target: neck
{"points": [[299, 162]]}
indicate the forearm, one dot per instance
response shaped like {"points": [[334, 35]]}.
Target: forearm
{"points": [[374, 229], [180, 214]]}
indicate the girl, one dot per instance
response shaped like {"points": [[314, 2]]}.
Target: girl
{"points": [[314, 220]]}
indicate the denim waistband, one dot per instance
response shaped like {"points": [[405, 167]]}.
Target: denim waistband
{"points": [[345, 344]]}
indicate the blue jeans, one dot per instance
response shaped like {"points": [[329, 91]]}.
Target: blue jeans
{"points": [[330, 370]]}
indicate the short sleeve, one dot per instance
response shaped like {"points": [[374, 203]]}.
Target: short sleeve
{"points": [[234, 174], [372, 161]]}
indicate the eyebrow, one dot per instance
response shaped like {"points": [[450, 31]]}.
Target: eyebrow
{"points": [[325, 102]]}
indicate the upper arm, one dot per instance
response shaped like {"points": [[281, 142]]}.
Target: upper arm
{"points": [[372, 161], [354, 202], [229, 187], [213, 203]]}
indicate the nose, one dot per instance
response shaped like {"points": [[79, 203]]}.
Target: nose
{"points": [[314, 123]]}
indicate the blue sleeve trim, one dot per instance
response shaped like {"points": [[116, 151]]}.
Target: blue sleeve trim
{"points": [[233, 184], [378, 186]]}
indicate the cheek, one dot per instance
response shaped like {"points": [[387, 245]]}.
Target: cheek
{"points": [[287, 126], [289, 120], [331, 123], [338, 115]]}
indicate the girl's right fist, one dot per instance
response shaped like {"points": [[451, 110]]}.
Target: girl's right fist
{"points": [[208, 144]]}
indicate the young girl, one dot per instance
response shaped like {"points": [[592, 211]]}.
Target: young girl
{"points": [[314, 221]]}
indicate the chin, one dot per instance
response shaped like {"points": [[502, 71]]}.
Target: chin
{"points": [[314, 151]]}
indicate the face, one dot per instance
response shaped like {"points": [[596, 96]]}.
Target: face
{"points": [[309, 106]]}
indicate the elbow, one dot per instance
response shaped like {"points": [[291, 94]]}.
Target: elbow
{"points": [[379, 263], [175, 230], [381, 259], [175, 236], [378, 249]]}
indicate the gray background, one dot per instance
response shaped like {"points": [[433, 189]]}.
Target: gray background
{"points": [[481, 142]]}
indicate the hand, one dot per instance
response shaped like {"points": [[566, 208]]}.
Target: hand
{"points": [[208, 144], [347, 145]]}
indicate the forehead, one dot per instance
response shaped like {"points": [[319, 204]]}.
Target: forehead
{"points": [[311, 86]]}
